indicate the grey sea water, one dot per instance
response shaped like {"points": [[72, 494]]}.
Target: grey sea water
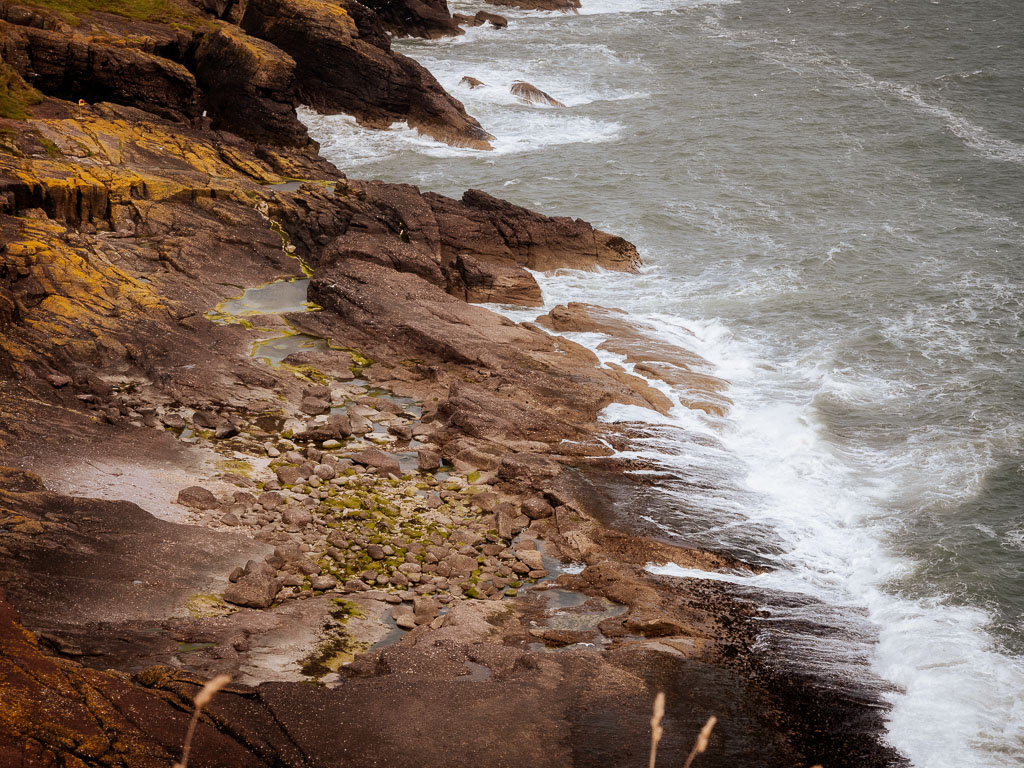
{"points": [[830, 201]]}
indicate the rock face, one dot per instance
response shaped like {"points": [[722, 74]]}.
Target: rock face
{"points": [[334, 57], [72, 67], [248, 84], [415, 18], [344, 63]]}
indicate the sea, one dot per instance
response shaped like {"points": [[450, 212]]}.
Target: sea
{"points": [[829, 200]]}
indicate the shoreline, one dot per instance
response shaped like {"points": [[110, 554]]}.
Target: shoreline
{"points": [[158, 218]]}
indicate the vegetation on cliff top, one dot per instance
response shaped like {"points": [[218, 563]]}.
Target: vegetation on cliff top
{"points": [[157, 11], [15, 95]]}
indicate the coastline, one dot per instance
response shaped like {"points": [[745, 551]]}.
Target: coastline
{"points": [[163, 219]]}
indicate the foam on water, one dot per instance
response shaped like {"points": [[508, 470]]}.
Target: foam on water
{"points": [[348, 145], [830, 510]]}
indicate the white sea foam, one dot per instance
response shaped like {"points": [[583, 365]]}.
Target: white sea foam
{"points": [[348, 145], [960, 701]]}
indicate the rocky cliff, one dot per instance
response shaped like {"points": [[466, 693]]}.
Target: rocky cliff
{"points": [[199, 482]]}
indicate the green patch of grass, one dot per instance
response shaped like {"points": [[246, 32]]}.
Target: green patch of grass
{"points": [[51, 149], [157, 11], [15, 95]]}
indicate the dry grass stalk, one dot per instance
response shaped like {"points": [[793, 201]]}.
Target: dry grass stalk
{"points": [[656, 729], [201, 699], [702, 740]]}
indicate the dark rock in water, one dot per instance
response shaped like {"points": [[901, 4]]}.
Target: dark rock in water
{"points": [[496, 21], [471, 82], [531, 94], [197, 497], [383, 462], [257, 588]]}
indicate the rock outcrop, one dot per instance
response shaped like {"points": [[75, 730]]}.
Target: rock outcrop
{"points": [[416, 18], [335, 57], [71, 66], [344, 63]]}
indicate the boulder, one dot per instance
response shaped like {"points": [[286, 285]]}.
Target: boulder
{"points": [[300, 518], [428, 460], [256, 588], [248, 86], [383, 462], [197, 497], [271, 500], [415, 18], [531, 558], [537, 508], [323, 583], [288, 475], [471, 82]]}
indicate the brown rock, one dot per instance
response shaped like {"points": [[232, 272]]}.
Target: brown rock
{"points": [[531, 94], [323, 583], [471, 82], [288, 475], [257, 588], [197, 497], [344, 63], [537, 508], [531, 558], [271, 500], [297, 517], [428, 460], [383, 462]]}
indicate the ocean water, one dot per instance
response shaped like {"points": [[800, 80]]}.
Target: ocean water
{"points": [[829, 197]]}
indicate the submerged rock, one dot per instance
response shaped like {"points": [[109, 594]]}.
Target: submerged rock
{"points": [[531, 94]]}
